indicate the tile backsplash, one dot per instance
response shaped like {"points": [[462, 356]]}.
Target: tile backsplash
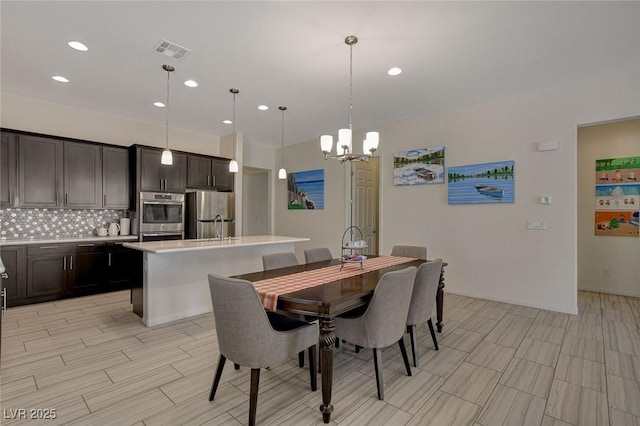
{"points": [[54, 223]]}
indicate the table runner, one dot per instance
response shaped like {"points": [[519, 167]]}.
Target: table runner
{"points": [[269, 289]]}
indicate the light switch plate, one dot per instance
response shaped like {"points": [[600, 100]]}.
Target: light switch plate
{"points": [[536, 225], [545, 199]]}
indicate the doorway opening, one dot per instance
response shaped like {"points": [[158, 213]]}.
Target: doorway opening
{"points": [[365, 193]]}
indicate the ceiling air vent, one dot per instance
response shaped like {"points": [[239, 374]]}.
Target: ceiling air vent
{"points": [[168, 48]]}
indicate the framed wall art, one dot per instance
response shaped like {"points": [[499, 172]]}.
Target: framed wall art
{"points": [[306, 190], [486, 183], [419, 166]]}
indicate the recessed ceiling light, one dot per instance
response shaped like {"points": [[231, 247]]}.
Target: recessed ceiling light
{"points": [[78, 46], [159, 104], [60, 78], [394, 71], [263, 107], [227, 121], [190, 83]]}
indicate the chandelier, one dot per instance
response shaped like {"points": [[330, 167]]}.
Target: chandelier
{"points": [[344, 151]]}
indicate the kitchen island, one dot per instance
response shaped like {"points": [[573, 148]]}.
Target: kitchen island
{"points": [[175, 283]]}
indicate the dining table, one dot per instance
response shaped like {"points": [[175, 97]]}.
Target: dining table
{"points": [[322, 291]]}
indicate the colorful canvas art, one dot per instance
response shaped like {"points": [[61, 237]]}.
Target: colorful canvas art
{"points": [[617, 197], [487, 183], [306, 190], [419, 166]]}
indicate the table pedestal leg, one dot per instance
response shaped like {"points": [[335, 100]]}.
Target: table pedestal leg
{"points": [[327, 340], [440, 301]]}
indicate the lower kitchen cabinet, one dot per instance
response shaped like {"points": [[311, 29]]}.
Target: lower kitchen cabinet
{"points": [[13, 258], [43, 272]]}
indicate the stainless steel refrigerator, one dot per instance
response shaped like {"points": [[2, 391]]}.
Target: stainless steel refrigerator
{"points": [[202, 207]]}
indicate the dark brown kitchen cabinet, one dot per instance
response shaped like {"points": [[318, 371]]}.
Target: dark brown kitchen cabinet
{"points": [[13, 258], [8, 169], [115, 178], [40, 171], [157, 177], [208, 173], [86, 268], [46, 277], [82, 176], [124, 267]]}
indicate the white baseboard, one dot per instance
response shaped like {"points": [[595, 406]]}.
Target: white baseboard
{"points": [[510, 301], [610, 291]]}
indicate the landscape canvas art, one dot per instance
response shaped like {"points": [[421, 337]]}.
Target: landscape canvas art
{"points": [[306, 190], [419, 166], [487, 183]]}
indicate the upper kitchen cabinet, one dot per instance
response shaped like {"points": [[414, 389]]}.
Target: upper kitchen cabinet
{"points": [[115, 178], [208, 173], [82, 176], [40, 172], [156, 177], [8, 169]]}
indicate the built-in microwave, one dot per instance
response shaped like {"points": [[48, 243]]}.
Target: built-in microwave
{"points": [[161, 213]]}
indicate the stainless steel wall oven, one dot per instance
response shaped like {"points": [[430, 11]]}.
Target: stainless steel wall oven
{"points": [[161, 216]]}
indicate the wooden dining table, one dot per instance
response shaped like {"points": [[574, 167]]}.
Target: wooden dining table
{"points": [[325, 302]]}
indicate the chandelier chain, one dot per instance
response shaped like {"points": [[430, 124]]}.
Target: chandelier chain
{"points": [[351, 87]]}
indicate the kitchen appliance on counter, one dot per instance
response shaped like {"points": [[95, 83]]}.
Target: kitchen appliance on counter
{"points": [[202, 208], [161, 216]]}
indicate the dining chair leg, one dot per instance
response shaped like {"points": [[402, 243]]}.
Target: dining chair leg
{"points": [[301, 359], [253, 395], [236, 366], [312, 368], [405, 358], [216, 380], [358, 349], [412, 330], [433, 334], [377, 362]]}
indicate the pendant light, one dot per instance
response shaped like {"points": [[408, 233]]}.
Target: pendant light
{"points": [[343, 146], [282, 173], [233, 164], [167, 158]]}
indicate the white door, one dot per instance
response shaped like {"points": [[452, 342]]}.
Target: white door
{"points": [[365, 202]]}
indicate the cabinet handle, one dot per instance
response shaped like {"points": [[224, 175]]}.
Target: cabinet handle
{"points": [[48, 247], [104, 200], [109, 259], [66, 199], [86, 245], [71, 263], [161, 182], [4, 300], [214, 180], [64, 263], [56, 198], [10, 198]]}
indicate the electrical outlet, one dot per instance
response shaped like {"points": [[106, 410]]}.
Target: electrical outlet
{"points": [[536, 225], [90, 222], [605, 273]]}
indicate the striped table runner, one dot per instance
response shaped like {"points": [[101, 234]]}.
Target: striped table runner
{"points": [[271, 288]]}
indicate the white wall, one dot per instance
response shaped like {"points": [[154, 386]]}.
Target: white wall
{"points": [[490, 252], [620, 256], [255, 201], [34, 115]]}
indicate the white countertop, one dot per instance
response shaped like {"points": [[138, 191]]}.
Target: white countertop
{"points": [[175, 246], [20, 242]]}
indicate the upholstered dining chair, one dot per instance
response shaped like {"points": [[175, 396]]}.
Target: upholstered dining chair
{"points": [[383, 322], [252, 337], [278, 260], [423, 301], [317, 255], [418, 252]]}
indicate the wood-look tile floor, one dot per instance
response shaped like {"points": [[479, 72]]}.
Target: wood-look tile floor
{"points": [[93, 362]]}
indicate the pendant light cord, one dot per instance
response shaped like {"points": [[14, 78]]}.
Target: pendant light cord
{"points": [[167, 120], [282, 150], [234, 112]]}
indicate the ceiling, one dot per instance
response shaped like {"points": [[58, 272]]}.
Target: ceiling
{"points": [[453, 54]]}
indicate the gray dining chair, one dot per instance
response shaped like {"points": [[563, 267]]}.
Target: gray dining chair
{"points": [[383, 322], [252, 337], [418, 252], [278, 260], [423, 301], [317, 255]]}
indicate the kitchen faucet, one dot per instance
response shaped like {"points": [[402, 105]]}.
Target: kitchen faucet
{"points": [[215, 220]]}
